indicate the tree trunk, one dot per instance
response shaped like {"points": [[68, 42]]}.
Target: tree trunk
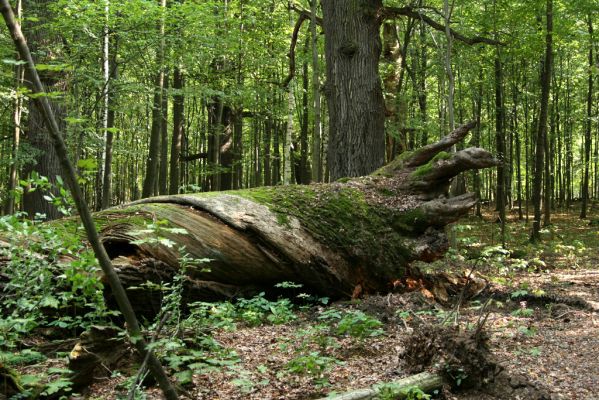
{"points": [[150, 181], [336, 239], [422, 103], [163, 171], [542, 127], [226, 155], [587, 133], [178, 124], [353, 89], [9, 206], [111, 75], [304, 176], [479, 104], [149, 185], [268, 125], [317, 135], [46, 162], [425, 381]]}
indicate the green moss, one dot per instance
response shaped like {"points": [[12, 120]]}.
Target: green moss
{"points": [[339, 217], [411, 221], [428, 167], [343, 180], [70, 228], [405, 155], [443, 155], [395, 165]]}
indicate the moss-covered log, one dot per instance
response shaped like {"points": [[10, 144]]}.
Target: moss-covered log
{"points": [[404, 388], [355, 235]]}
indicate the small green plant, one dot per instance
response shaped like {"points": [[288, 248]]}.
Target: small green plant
{"points": [[40, 280], [535, 352], [206, 315], [359, 325], [256, 310], [55, 193], [244, 380], [330, 315], [312, 363], [523, 312], [391, 391], [519, 293], [457, 374], [528, 331], [288, 285]]}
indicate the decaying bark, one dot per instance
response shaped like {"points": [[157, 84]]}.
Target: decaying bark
{"points": [[340, 239], [99, 351], [424, 381]]}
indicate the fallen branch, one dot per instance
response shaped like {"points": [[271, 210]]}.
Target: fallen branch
{"points": [[425, 381]]}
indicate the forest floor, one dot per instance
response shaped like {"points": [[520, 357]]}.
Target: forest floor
{"points": [[541, 305]]}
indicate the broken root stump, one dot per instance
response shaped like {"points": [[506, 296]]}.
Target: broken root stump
{"points": [[464, 361], [462, 357]]}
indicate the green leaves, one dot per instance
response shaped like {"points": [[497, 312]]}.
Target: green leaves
{"points": [[359, 325], [10, 61]]}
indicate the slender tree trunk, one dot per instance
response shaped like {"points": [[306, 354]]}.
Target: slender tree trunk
{"points": [[587, 132], [547, 176], [317, 134], [527, 151], [542, 126], [238, 148], [9, 206], [560, 147], [150, 181], [304, 176], [163, 177], [392, 58], [178, 130], [569, 155], [422, 98], [110, 120], [500, 138], [276, 155], [226, 149], [518, 153], [105, 102], [268, 127], [479, 104]]}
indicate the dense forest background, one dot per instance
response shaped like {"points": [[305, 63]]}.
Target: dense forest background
{"points": [[162, 97]]}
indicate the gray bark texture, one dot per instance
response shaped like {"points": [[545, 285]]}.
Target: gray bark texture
{"points": [[341, 239], [353, 89], [46, 161]]}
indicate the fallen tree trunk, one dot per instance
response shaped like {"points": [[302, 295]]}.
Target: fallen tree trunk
{"points": [[339, 239], [400, 389]]}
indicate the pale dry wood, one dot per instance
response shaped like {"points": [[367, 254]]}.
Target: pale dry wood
{"points": [[425, 381]]}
